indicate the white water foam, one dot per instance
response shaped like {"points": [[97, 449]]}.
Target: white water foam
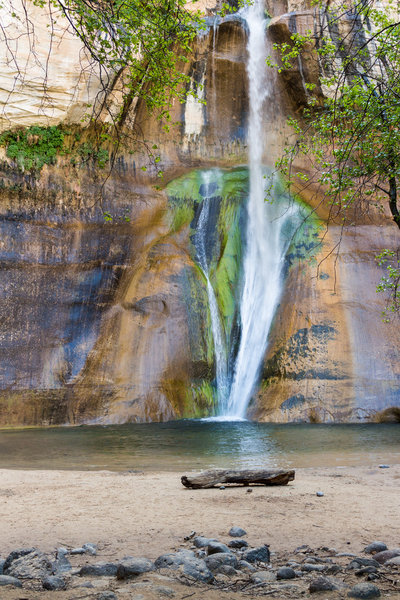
{"points": [[266, 243]]}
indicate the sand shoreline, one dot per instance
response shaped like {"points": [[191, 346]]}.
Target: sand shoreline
{"points": [[146, 514]]}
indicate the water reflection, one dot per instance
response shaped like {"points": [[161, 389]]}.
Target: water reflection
{"points": [[186, 445]]}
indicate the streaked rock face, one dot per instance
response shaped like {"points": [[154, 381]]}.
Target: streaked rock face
{"points": [[107, 322]]}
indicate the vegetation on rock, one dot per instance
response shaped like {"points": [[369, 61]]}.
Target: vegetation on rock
{"points": [[352, 139]]}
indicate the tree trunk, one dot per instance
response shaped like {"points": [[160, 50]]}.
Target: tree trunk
{"points": [[208, 479]]}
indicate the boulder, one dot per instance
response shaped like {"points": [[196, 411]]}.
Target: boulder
{"points": [[132, 567], [32, 565], [14, 555]]}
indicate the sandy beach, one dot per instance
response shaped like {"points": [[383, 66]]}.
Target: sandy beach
{"points": [[146, 514]]}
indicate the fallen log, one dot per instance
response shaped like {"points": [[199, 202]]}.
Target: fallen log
{"points": [[209, 479]]}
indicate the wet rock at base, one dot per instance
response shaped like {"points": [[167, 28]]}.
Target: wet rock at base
{"points": [[100, 569], [52, 582], [132, 567], [261, 554], [8, 580], [364, 591], [237, 532], [375, 547], [323, 584]]}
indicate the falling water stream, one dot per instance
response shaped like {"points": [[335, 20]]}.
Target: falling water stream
{"points": [[208, 185], [266, 243]]}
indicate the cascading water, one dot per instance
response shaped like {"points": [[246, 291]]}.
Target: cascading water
{"points": [[266, 242], [200, 238], [268, 232]]}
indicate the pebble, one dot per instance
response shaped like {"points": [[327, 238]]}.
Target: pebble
{"points": [[323, 584], [395, 561], [249, 491], [320, 494], [2, 561], [364, 591], [375, 547], [221, 487], [285, 573], [237, 532], [384, 466]]}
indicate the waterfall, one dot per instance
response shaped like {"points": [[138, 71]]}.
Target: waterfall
{"points": [[267, 234], [200, 239], [265, 242]]}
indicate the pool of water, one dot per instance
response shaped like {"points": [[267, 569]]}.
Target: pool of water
{"points": [[193, 445]]}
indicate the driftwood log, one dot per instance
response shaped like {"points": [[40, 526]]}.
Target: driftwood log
{"points": [[209, 479]]}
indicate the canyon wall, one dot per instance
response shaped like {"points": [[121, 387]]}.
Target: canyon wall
{"points": [[106, 321]]}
